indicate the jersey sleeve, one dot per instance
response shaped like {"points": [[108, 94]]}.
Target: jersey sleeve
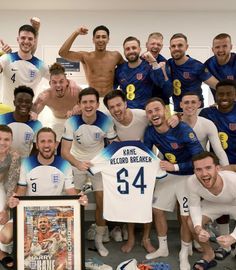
{"points": [[193, 145], [23, 174], [69, 181], [204, 73], [147, 139], [38, 125], [68, 130], [215, 143], [111, 133], [194, 202]]}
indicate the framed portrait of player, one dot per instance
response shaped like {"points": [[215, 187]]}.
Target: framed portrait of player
{"points": [[48, 233]]}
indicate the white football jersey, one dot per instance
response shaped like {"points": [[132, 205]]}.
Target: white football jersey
{"points": [[129, 171], [45, 180]]}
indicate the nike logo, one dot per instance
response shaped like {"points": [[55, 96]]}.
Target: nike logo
{"points": [[32, 179], [124, 265]]}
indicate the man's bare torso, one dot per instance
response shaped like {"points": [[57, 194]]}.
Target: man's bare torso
{"points": [[100, 69]]}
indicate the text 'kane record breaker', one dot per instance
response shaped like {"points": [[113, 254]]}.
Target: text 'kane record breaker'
{"points": [[129, 172]]}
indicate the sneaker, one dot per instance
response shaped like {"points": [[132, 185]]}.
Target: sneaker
{"points": [[130, 264], [125, 232], [95, 264], [92, 231], [116, 234]]}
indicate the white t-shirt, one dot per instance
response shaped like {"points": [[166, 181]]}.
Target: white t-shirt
{"points": [[196, 191], [135, 130], [45, 180], [88, 140], [18, 72], [24, 134], [207, 131], [129, 171]]}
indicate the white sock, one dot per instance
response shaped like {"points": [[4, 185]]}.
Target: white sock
{"points": [[162, 251], [183, 255]]}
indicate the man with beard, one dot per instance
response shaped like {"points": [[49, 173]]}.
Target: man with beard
{"points": [[59, 98], [23, 128], [224, 117], [21, 67], [177, 146], [139, 78], [223, 64], [99, 65], [45, 174], [187, 73], [211, 194]]}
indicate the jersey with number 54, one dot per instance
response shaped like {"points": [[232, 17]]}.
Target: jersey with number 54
{"points": [[129, 171]]}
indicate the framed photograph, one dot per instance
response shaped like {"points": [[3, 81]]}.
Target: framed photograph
{"points": [[48, 233]]}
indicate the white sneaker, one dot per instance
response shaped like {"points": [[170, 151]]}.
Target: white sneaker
{"points": [[125, 232], [92, 231], [95, 264], [116, 234]]}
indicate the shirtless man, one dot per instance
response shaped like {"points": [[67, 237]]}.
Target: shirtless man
{"points": [[99, 65], [59, 98], [9, 174]]}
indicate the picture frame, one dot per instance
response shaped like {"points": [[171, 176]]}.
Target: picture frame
{"points": [[48, 233]]}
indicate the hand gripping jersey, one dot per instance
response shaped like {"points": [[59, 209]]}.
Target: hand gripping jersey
{"points": [[129, 170], [20, 72], [45, 180], [23, 133], [226, 126], [187, 77]]}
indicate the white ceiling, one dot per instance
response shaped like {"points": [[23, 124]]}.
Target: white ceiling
{"points": [[134, 5]]}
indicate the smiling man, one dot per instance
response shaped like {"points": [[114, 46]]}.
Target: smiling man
{"points": [[187, 73], [82, 140], [23, 128], [222, 64], [21, 67], [99, 65], [211, 195], [177, 145]]}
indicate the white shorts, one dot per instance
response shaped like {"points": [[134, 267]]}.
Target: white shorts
{"points": [[170, 189], [214, 210], [82, 177], [57, 124]]}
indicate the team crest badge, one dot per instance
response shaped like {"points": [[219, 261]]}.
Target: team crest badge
{"points": [[232, 126], [139, 76], [191, 135], [206, 70], [186, 75], [174, 145], [55, 178]]}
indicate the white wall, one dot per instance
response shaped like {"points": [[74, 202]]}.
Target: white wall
{"points": [[200, 27]]}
